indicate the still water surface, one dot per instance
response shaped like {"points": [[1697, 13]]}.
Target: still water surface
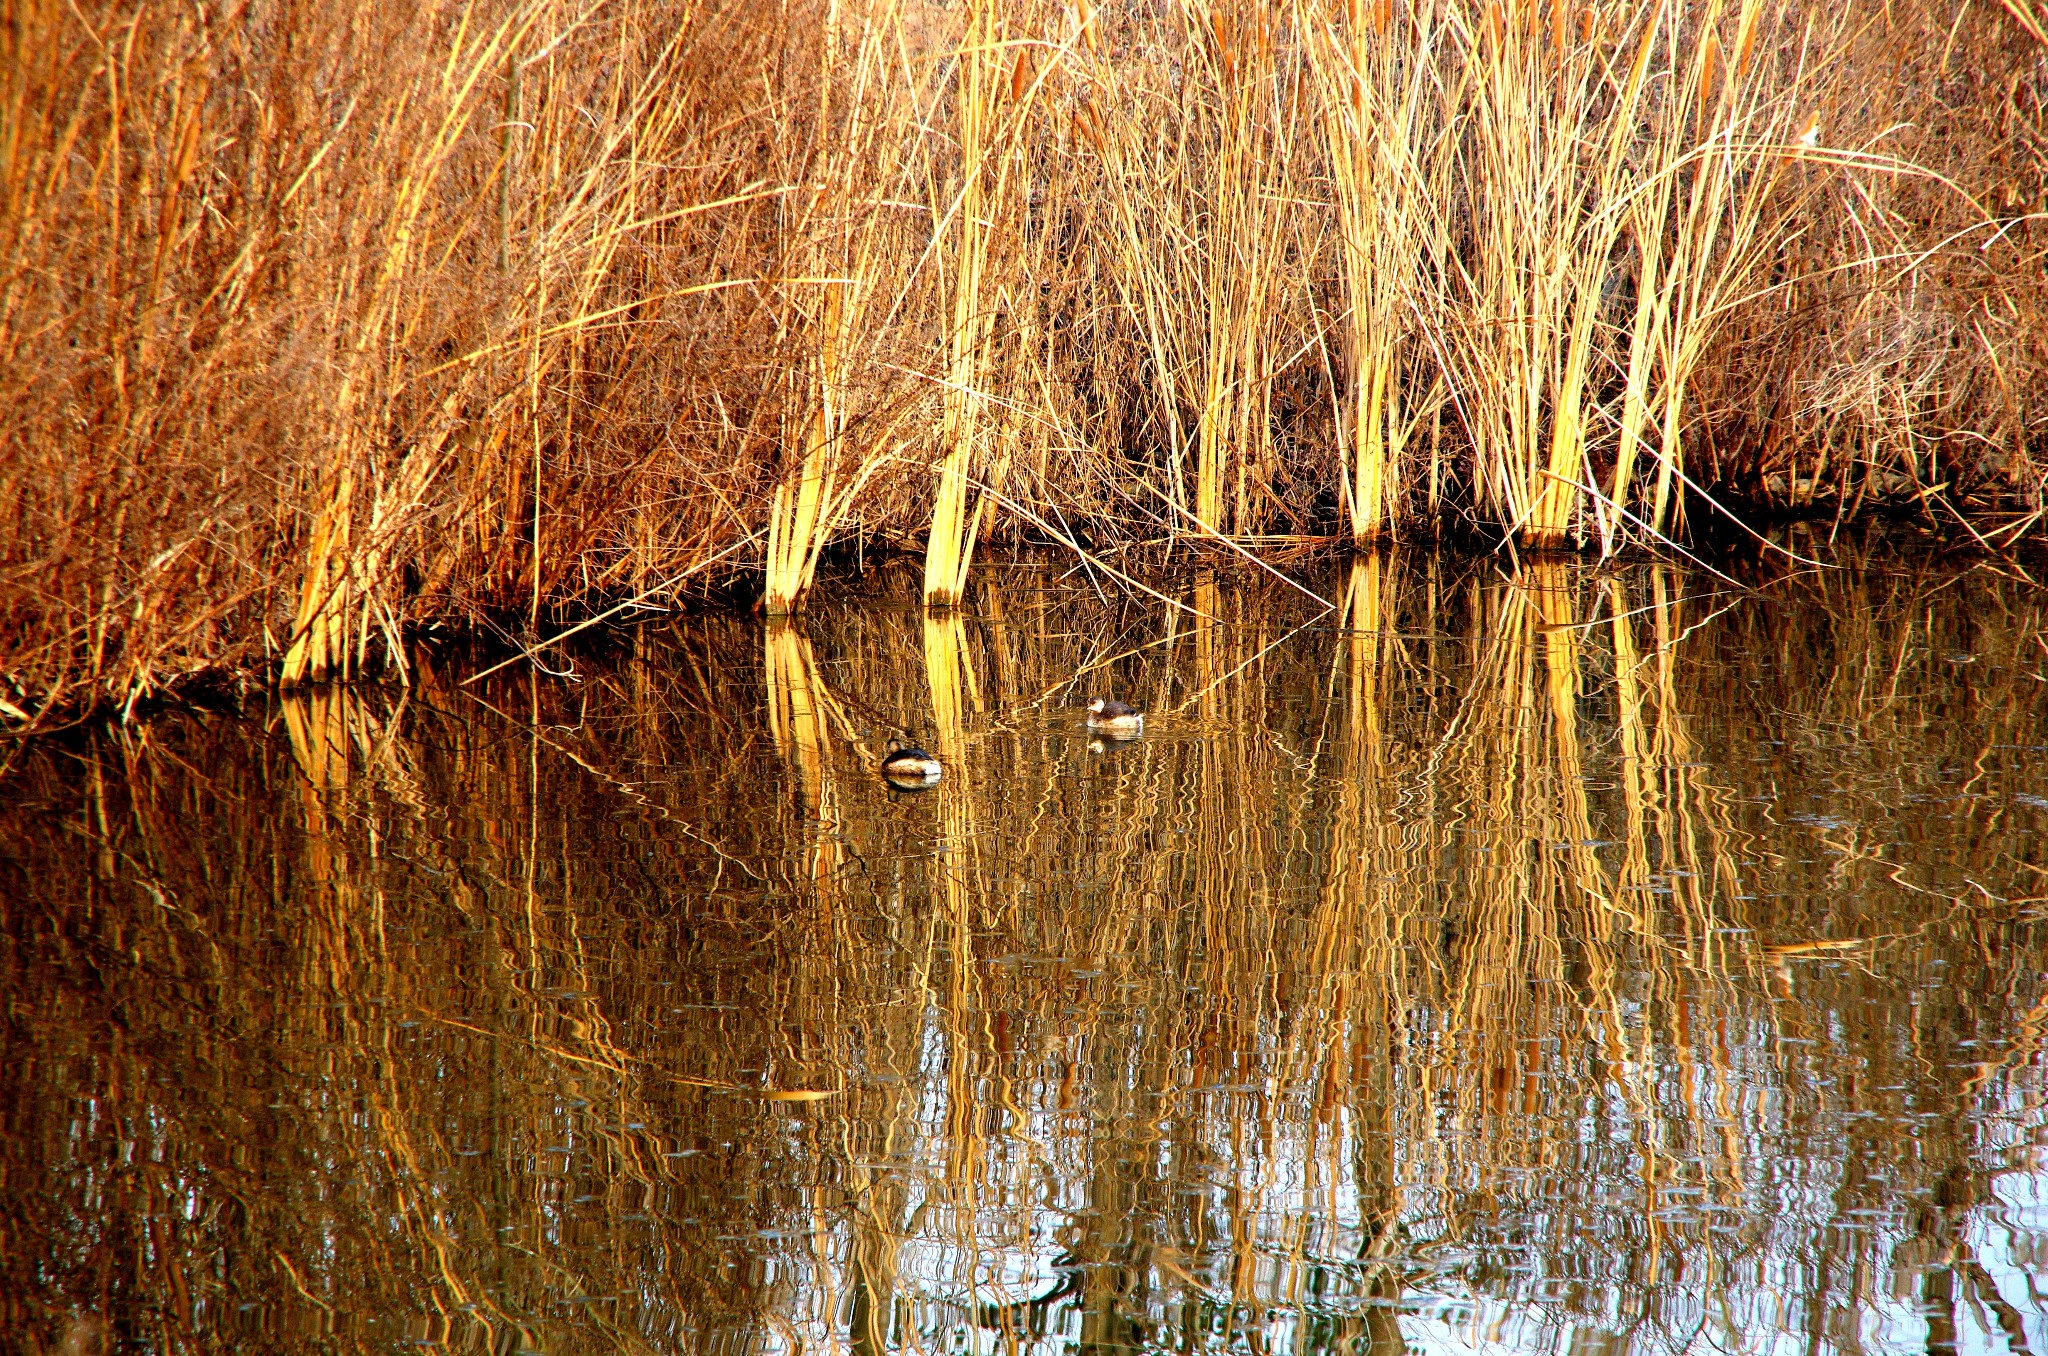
{"points": [[1507, 961]]}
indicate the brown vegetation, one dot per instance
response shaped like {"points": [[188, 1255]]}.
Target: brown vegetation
{"points": [[319, 323]]}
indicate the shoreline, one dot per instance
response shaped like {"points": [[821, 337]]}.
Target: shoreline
{"points": [[230, 685]]}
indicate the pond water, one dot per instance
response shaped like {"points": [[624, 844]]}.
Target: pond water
{"points": [[1511, 959]]}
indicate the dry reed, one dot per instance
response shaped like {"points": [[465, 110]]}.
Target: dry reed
{"points": [[318, 328]]}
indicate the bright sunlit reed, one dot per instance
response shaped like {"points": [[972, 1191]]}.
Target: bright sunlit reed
{"points": [[320, 332]]}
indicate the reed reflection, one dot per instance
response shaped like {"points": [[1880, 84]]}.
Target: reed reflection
{"points": [[1538, 960]]}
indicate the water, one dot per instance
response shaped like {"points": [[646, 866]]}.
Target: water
{"points": [[1524, 961]]}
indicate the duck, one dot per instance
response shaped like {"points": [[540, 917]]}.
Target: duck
{"points": [[911, 769], [1115, 719]]}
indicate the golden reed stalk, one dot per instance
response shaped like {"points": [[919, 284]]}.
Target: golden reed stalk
{"points": [[949, 546]]}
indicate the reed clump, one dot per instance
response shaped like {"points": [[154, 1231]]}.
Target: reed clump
{"points": [[318, 327]]}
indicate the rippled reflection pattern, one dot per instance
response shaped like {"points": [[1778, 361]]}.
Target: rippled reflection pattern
{"points": [[1505, 960]]}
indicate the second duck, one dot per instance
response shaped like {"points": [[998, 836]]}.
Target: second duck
{"points": [[1115, 719]]}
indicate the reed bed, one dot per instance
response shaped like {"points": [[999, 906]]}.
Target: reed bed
{"points": [[1498, 955], [318, 330]]}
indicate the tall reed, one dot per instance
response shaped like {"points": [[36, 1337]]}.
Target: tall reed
{"points": [[1391, 138], [1195, 117], [492, 315], [842, 230], [963, 217]]}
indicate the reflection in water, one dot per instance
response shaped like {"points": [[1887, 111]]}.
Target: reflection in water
{"points": [[1544, 961]]}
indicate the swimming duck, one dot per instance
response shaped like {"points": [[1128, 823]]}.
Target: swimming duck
{"points": [[1115, 719], [909, 768]]}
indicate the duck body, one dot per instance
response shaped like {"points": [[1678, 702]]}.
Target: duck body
{"points": [[1115, 719], [911, 769]]}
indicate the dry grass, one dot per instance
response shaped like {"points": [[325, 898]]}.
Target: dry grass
{"points": [[319, 326]]}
